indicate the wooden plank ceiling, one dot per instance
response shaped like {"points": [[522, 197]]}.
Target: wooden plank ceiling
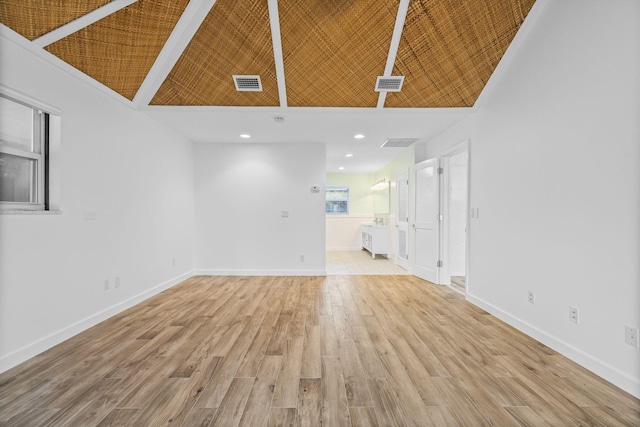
{"points": [[332, 50]]}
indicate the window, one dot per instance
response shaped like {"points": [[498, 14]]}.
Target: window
{"points": [[337, 201], [24, 144]]}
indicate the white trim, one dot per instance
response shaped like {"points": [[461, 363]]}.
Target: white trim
{"points": [[607, 372], [25, 353], [461, 147], [393, 46], [276, 38], [214, 272], [11, 36], [82, 22], [514, 48], [34, 103], [193, 16]]}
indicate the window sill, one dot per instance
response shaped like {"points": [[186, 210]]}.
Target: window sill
{"points": [[17, 212]]}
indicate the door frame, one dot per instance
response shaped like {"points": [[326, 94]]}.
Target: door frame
{"points": [[445, 200], [404, 263]]}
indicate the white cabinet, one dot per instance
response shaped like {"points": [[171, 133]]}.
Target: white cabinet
{"points": [[375, 239]]}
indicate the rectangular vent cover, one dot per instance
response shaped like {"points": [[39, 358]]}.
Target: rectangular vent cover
{"points": [[247, 83], [398, 142], [389, 84]]}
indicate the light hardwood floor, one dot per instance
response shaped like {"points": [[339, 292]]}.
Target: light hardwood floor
{"points": [[307, 351], [458, 283]]}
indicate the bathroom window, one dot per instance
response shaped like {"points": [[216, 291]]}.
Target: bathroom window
{"points": [[24, 139], [337, 200]]}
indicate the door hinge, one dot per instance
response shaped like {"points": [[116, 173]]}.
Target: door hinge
{"points": [[439, 263], [440, 171], [440, 217]]}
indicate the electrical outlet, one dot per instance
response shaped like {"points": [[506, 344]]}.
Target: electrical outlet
{"points": [[532, 297], [301, 258], [116, 282], [574, 314], [106, 284], [631, 336]]}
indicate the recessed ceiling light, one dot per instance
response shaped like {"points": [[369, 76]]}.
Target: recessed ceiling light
{"points": [[245, 136], [358, 136], [348, 155], [341, 168]]}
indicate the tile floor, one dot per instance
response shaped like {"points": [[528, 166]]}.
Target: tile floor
{"points": [[360, 262]]}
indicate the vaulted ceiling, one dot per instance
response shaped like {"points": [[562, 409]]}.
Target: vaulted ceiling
{"points": [[308, 53]]}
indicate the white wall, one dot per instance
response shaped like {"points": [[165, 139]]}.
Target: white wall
{"points": [[241, 191], [555, 172], [135, 175]]}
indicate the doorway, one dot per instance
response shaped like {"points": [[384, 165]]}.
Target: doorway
{"points": [[455, 198]]}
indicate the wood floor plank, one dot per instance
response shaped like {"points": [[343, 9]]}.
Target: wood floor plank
{"points": [[199, 417], [88, 408], [33, 417], [388, 409], [262, 392], [336, 351], [328, 337], [309, 408], [119, 418], [286, 388], [279, 338], [232, 406], [335, 408], [444, 416], [355, 376], [282, 417], [363, 416], [402, 385], [311, 353], [253, 359]]}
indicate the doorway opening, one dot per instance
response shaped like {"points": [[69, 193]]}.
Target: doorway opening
{"points": [[456, 198]]}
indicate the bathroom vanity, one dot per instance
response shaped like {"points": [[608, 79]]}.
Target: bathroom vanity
{"points": [[375, 238]]}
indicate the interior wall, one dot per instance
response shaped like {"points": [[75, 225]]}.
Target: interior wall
{"points": [[242, 192], [132, 175], [555, 174]]}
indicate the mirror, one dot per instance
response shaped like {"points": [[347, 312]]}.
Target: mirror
{"points": [[381, 202]]}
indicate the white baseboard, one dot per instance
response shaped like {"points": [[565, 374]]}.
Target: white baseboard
{"points": [[27, 352], [607, 372], [212, 272]]}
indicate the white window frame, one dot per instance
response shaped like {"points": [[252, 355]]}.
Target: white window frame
{"points": [[337, 188], [39, 154]]}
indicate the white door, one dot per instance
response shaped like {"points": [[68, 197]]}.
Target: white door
{"points": [[426, 227], [402, 220]]}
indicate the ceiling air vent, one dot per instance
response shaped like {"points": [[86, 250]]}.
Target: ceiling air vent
{"points": [[398, 142], [389, 83], [247, 83]]}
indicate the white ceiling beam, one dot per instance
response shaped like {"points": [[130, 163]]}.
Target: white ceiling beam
{"points": [[393, 46], [82, 22], [274, 18], [187, 26]]}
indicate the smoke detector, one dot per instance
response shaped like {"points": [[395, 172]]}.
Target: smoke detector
{"points": [[247, 83]]}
